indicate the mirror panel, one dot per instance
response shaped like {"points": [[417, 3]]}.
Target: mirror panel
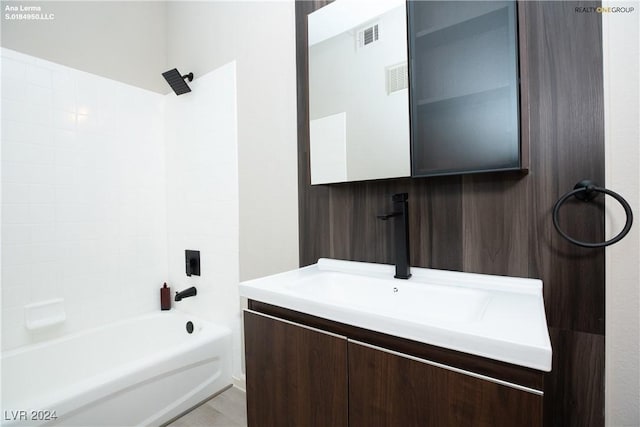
{"points": [[358, 91]]}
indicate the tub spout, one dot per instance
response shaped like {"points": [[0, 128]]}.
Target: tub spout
{"points": [[189, 292]]}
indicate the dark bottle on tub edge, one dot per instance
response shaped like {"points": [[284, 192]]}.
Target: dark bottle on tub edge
{"points": [[165, 297]]}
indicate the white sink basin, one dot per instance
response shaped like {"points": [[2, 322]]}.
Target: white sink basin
{"points": [[400, 299], [497, 317]]}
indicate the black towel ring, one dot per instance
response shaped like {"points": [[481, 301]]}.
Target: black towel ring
{"points": [[586, 191]]}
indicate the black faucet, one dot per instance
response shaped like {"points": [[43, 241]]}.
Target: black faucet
{"points": [[189, 292], [401, 214]]}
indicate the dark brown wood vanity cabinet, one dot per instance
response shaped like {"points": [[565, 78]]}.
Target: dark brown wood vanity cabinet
{"points": [[387, 389], [296, 376], [306, 371]]}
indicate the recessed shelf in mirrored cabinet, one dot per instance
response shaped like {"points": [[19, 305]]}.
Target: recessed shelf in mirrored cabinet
{"points": [[465, 27], [436, 99]]}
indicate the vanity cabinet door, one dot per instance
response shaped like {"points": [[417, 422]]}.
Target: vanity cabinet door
{"points": [[390, 389], [296, 375]]}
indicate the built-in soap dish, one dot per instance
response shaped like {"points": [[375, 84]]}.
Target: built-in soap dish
{"points": [[44, 314]]}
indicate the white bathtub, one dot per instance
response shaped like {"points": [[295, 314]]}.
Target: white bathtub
{"points": [[138, 372]]}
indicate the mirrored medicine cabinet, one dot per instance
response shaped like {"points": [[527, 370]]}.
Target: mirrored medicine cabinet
{"points": [[358, 91], [418, 88]]}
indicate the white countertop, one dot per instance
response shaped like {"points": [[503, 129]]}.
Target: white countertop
{"points": [[497, 317]]}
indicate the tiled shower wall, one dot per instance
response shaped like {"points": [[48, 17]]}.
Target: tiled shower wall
{"points": [[83, 196], [202, 197]]}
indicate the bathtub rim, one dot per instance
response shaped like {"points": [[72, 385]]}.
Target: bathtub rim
{"points": [[72, 335]]}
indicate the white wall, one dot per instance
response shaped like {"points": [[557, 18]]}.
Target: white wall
{"points": [[83, 196], [621, 43], [260, 37], [202, 198], [124, 41]]}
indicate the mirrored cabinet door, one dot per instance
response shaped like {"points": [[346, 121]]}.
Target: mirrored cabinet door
{"points": [[464, 87], [358, 91]]}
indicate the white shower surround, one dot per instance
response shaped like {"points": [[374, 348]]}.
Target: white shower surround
{"points": [[83, 197], [94, 196], [202, 197]]}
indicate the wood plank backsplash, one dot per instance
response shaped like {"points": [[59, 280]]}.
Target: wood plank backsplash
{"points": [[500, 223]]}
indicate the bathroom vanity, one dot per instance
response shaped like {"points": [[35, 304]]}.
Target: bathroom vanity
{"points": [[343, 343]]}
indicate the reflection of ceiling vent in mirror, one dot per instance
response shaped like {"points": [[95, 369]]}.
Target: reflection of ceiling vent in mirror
{"points": [[367, 35], [397, 78]]}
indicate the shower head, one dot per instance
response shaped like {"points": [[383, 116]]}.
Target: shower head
{"points": [[176, 81]]}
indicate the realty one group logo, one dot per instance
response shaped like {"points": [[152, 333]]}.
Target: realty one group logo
{"points": [[610, 9]]}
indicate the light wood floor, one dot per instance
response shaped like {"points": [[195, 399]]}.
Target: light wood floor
{"points": [[228, 409]]}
